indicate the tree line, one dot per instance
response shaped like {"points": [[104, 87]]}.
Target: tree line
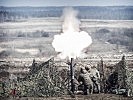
{"points": [[88, 12]]}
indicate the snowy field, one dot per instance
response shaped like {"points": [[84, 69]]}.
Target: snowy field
{"points": [[54, 24], [40, 47]]}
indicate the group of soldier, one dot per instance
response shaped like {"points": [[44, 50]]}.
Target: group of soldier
{"points": [[89, 80]]}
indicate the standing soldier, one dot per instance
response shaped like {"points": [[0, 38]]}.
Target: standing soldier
{"points": [[84, 77], [95, 77]]}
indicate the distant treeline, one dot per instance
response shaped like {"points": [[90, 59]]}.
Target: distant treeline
{"points": [[37, 33], [85, 12]]}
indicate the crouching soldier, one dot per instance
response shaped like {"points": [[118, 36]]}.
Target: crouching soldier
{"points": [[85, 79]]}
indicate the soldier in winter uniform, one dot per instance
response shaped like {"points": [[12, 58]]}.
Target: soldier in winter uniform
{"points": [[84, 77]]}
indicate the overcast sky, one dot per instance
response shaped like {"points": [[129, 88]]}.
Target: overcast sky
{"points": [[65, 2]]}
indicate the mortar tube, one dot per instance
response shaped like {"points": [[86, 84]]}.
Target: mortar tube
{"points": [[72, 75]]}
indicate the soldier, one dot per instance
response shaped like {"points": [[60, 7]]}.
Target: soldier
{"points": [[86, 81], [95, 76]]}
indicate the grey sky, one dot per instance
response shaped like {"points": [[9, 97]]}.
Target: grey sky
{"points": [[65, 2]]}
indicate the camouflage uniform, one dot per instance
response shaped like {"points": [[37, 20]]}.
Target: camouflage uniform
{"points": [[84, 77]]}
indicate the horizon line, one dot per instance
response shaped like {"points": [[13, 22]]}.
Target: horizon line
{"points": [[74, 6]]}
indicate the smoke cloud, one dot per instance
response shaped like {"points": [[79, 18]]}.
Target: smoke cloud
{"points": [[70, 20], [72, 41]]}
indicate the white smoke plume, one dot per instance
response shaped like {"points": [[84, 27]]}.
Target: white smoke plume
{"points": [[72, 41], [70, 20]]}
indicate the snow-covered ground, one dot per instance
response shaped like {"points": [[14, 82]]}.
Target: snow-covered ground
{"points": [[54, 24], [40, 47]]}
